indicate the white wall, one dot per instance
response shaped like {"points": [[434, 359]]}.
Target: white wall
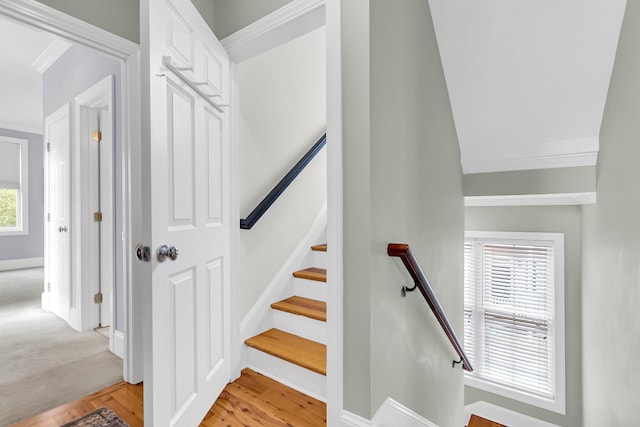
{"points": [[282, 114]]}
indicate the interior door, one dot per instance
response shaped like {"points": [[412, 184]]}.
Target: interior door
{"points": [[57, 253], [189, 201]]}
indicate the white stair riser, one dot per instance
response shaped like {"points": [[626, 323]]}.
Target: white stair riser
{"points": [[305, 327], [289, 374], [319, 259], [310, 289]]}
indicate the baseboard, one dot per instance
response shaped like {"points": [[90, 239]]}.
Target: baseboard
{"points": [[250, 325], [17, 264], [390, 413], [352, 420], [116, 344]]}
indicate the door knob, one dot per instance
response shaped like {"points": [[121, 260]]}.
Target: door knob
{"points": [[62, 229], [165, 252]]}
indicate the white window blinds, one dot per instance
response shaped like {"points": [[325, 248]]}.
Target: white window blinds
{"points": [[10, 164], [509, 314]]}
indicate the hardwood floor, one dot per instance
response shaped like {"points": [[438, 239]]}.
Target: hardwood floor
{"points": [[251, 400]]}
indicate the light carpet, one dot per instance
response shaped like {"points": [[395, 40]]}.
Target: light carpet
{"points": [[44, 363]]}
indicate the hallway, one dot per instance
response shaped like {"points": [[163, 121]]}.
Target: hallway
{"points": [[45, 363]]}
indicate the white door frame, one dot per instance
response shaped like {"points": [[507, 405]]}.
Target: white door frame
{"points": [[289, 22], [37, 15], [85, 314]]}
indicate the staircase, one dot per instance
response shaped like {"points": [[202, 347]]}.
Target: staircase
{"points": [[294, 350]]}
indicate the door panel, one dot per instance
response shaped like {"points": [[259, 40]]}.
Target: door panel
{"points": [[57, 195], [189, 209]]}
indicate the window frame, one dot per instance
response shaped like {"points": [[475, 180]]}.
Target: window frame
{"points": [[558, 403], [22, 193]]}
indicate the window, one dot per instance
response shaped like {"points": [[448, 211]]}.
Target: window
{"points": [[514, 315], [13, 186]]}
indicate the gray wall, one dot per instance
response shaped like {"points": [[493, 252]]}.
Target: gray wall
{"points": [[541, 181], [274, 133], [233, 15], [76, 71], [549, 219], [611, 234], [30, 245], [403, 183], [121, 17]]}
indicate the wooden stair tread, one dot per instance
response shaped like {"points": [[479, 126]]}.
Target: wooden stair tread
{"points": [[313, 273], [477, 421], [292, 348], [319, 248], [303, 306]]}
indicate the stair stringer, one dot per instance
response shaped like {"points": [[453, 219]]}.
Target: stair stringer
{"points": [[260, 317]]}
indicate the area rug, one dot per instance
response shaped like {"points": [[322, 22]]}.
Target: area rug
{"points": [[103, 417]]}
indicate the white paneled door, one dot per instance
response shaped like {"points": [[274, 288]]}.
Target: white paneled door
{"points": [[189, 180], [57, 292]]}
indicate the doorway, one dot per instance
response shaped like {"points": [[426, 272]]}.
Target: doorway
{"points": [[126, 126]]}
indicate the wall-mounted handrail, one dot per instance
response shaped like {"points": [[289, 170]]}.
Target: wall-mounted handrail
{"points": [[403, 251], [273, 195]]}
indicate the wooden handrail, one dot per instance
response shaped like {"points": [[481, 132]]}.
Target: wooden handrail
{"points": [[269, 199], [403, 251]]}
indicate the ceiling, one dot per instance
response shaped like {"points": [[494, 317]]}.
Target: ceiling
{"points": [[527, 79], [22, 61]]}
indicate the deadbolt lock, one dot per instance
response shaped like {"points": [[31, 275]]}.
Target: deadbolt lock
{"points": [[143, 253]]}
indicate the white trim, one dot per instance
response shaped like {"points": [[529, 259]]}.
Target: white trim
{"points": [[21, 128], [22, 195], [532, 163], [17, 264], [85, 237], [543, 155], [558, 404], [587, 198], [253, 321], [237, 345], [350, 419], [50, 55], [117, 343], [287, 23], [334, 213], [39, 16], [393, 413], [73, 29], [390, 413], [502, 415]]}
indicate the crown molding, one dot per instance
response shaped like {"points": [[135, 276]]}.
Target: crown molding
{"points": [[587, 198], [69, 28], [50, 55], [290, 21], [542, 155]]}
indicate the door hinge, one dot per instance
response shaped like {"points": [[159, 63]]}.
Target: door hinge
{"points": [[97, 298], [97, 136], [48, 286], [48, 147], [97, 216], [49, 217]]}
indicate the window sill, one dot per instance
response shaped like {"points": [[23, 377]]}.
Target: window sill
{"points": [[8, 233], [554, 405]]}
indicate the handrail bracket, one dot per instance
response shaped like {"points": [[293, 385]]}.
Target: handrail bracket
{"points": [[421, 282]]}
